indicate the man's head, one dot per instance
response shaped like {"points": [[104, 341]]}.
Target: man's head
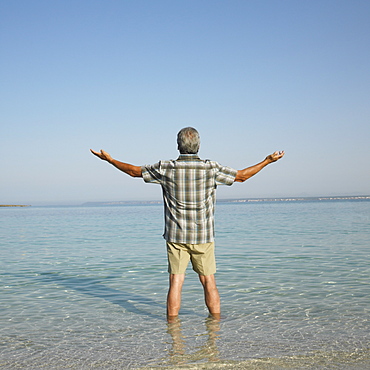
{"points": [[188, 141]]}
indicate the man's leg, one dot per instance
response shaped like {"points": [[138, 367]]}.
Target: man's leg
{"points": [[211, 295], [174, 294]]}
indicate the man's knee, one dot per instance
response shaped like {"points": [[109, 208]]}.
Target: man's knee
{"points": [[208, 281], [176, 280]]}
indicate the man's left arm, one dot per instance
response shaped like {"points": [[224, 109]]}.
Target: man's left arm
{"points": [[133, 171], [247, 173]]}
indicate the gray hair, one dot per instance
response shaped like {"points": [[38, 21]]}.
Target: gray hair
{"points": [[188, 141]]}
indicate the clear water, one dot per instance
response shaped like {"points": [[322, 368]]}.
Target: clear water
{"points": [[85, 287]]}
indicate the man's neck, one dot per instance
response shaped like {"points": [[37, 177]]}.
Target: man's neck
{"points": [[188, 156]]}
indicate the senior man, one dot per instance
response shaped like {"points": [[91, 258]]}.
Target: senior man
{"points": [[189, 185]]}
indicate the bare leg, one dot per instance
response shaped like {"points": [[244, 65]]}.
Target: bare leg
{"points": [[211, 295], [174, 295]]}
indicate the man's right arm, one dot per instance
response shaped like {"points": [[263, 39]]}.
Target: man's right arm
{"points": [[133, 171], [243, 175]]}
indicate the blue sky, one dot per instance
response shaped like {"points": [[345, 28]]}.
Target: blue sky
{"points": [[252, 76]]}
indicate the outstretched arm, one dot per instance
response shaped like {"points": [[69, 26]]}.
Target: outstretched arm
{"points": [[248, 172], [134, 171]]}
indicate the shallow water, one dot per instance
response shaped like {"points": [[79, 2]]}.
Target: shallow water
{"points": [[85, 287]]}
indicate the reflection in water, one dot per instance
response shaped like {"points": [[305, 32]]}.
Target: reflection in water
{"points": [[207, 351]]}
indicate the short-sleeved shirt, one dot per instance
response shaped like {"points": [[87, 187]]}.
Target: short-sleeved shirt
{"points": [[189, 193]]}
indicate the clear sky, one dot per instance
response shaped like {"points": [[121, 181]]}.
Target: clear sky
{"points": [[125, 76]]}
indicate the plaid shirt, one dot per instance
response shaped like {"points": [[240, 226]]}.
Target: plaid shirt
{"points": [[189, 193]]}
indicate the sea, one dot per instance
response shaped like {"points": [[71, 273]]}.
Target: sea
{"points": [[84, 287]]}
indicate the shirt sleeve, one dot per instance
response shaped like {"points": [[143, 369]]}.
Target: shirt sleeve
{"points": [[225, 175], [152, 173]]}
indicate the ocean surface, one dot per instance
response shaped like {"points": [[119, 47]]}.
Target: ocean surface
{"points": [[85, 288]]}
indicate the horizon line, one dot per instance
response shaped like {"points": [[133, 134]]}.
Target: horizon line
{"points": [[220, 200]]}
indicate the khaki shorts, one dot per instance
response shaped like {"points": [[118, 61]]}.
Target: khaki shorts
{"points": [[202, 257]]}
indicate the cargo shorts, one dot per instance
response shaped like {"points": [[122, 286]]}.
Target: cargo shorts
{"points": [[202, 257]]}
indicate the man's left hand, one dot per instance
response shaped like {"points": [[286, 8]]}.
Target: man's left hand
{"points": [[102, 155]]}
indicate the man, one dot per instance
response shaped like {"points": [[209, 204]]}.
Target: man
{"points": [[188, 186]]}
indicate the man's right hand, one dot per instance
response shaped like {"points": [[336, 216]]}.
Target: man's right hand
{"points": [[102, 155], [275, 156]]}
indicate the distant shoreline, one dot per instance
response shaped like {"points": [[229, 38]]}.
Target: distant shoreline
{"points": [[241, 200], [14, 205], [299, 199], [338, 198]]}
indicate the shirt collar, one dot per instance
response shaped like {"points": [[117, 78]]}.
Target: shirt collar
{"points": [[184, 157]]}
